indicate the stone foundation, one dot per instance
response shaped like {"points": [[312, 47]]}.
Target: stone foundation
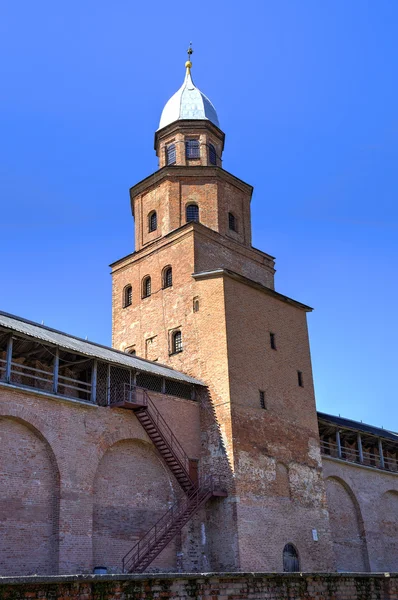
{"points": [[208, 586]]}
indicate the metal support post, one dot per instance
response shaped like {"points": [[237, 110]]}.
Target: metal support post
{"points": [[108, 385]]}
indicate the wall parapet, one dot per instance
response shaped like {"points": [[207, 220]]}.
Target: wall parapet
{"points": [[205, 586]]}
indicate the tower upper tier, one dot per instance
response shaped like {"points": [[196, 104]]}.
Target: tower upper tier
{"points": [[188, 103]]}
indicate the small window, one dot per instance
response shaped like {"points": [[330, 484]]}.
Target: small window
{"points": [[171, 154], [300, 378], [131, 350], [146, 287], [272, 341], [192, 149], [262, 399], [192, 213], [212, 155], [232, 222], [195, 304], [127, 296], [291, 563], [152, 221], [167, 277], [177, 342]]}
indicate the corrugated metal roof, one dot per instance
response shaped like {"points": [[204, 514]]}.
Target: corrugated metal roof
{"points": [[378, 431], [75, 344]]}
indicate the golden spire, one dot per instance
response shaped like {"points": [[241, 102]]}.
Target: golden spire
{"points": [[188, 64]]}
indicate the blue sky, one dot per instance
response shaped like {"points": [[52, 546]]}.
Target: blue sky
{"points": [[306, 92]]}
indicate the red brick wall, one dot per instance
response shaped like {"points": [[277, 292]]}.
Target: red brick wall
{"points": [[112, 485], [370, 497], [212, 586], [29, 483]]}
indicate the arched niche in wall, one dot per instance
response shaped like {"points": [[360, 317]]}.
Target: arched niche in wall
{"points": [[348, 534], [29, 501], [388, 519], [132, 490]]}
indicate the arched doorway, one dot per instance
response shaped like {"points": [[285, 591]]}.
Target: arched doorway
{"points": [[291, 562]]}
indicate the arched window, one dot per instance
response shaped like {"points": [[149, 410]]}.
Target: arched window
{"points": [[152, 221], [146, 287], [171, 154], [167, 277], [291, 561], [232, 222], [192, 213], [212, 155], [176, 344], [192, 148], [127, 296]]}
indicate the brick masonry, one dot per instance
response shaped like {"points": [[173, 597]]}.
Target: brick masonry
{"points": [[208, 586]]}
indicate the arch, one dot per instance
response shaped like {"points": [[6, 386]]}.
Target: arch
{"points": [[347, 527], [152, 221], [291, 561], [388, 525], [127, 296], [146, 287], [132, 490], [232, 222], [171, 154], [167, 277], [29, 500], [192, 213]]}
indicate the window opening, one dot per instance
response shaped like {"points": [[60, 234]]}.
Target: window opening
{"points": [[152, 221], [128, 296], [171, 154], [192, 213], [262, 399], [195, 305], [146, 287], [272, 341], [168, 277], [177, 342], [192, 149], [291, 563], [300, 378], [232, 222], [212, 155]]}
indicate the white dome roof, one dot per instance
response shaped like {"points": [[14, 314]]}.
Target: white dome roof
{"points": [[188, 103]]}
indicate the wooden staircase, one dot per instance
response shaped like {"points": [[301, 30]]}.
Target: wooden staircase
{"points": [[183, 468]]}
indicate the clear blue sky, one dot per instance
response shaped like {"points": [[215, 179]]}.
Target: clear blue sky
{"points": [[306, 92]]}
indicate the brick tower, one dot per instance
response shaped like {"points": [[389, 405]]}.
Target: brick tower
{"points": [[196, 295]]}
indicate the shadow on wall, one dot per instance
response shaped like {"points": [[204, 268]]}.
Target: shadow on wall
{"points": [[29, 503], [348, 532]]}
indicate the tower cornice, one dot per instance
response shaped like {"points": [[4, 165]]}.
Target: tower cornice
{"points": [[175, 172]]}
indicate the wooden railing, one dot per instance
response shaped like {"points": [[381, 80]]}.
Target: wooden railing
{"points": [[353, 455]]}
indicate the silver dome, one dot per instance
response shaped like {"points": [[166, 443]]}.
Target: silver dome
{"points": [[188, 103]]}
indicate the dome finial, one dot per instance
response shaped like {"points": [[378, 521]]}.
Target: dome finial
{"points": [[188, 64]]}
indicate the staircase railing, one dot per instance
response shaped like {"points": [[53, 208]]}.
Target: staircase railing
{"points": [[125, 392], [176, 516]]}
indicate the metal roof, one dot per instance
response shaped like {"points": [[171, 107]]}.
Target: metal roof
{"points": [[188, 103], [75, 344], [349, 424]]}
